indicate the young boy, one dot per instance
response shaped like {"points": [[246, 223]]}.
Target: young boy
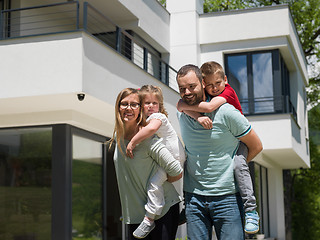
{"points": [[218, 92]]}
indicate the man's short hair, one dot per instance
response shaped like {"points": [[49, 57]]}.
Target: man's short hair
{"points": [[184, 70]]}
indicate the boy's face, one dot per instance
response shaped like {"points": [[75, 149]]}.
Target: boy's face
{"points": [[214, 84]]}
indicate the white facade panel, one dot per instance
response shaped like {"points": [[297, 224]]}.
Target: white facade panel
{"points": [[42, 66], [243, 25]]}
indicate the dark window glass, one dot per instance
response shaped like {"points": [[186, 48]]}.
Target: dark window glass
{"points": [[260, 182], [25, 184], [261, 81], [87, 213]]}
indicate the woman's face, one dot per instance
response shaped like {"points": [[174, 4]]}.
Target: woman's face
{"points": [[129, 108]]}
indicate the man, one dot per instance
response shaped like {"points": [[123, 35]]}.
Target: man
{"points": [[209, 186]]}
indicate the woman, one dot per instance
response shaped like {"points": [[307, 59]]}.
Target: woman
{"points": [[133, 174]]}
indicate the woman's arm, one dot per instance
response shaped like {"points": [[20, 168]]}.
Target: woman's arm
{"points": [[143, 134], [204, 107]]}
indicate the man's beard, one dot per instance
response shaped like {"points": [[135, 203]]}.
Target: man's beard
{"points": [[196, 98]]}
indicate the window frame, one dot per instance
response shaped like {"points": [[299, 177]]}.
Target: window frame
{"points": [[281, 82]]}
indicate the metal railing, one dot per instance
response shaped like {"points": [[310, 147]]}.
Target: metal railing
{"points": [[38, 20], [65, 17], [100, 26], [268, 105]]}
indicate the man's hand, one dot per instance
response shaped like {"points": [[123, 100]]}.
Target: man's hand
{"points": [[205, 121]]}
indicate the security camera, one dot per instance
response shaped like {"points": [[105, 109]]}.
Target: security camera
{"points": [[81, 96]]}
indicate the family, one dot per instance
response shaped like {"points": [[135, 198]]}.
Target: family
{"points": [[218, 143]]}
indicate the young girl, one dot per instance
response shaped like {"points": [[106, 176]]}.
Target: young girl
{"points": [[159, 124]]}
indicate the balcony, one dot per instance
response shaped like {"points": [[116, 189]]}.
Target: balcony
{"points": [[66, 18]]}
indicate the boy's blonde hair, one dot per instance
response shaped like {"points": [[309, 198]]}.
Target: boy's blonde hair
{"points": [[150, 89], [210, 68], [118, 132]]}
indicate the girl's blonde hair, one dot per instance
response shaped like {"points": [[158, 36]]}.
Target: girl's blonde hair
{"points": [[118, 132], [150, 89]]}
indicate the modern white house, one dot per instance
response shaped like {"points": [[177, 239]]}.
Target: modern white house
{"points": [[63, 64]]}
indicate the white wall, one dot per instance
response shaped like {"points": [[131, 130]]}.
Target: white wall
{"points": [[42, 76], [40, 66]]}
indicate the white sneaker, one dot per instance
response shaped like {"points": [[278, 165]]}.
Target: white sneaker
{"points": [[143, 230]]}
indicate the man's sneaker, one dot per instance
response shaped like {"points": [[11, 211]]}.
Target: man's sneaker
{"points": [[143, 230], [252, 222], [182, 217]]}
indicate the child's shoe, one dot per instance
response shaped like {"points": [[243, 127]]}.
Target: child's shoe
{"points": [[182, 217], [143, 230], [252, 222]]}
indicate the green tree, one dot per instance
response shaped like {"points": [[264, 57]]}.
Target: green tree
{"points": [[306, 16]]}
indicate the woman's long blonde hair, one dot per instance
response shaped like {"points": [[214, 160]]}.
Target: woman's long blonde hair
{"points": [[118, 132], [150, 89]]}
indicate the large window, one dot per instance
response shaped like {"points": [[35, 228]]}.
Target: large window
{"points": [[25, 183], [261, 81], [57, 183]]}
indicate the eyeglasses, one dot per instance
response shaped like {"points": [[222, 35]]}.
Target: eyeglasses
{"points": [[133, 105]]}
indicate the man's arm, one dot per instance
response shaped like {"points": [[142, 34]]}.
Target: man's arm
{"points": [[253, 143]]}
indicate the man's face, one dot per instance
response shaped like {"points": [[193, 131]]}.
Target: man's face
{"points": [[191, 90]]}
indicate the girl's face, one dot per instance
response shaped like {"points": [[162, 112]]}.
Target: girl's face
{"points": [[151, 104], [129, 108]]}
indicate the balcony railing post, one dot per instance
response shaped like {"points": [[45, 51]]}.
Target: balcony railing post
{"points": [[85, 15], [167, 74], [145, 59], [78, 15], [1, 26], [118, 39]]}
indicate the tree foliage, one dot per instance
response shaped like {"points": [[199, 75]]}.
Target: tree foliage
{"points": [[303, 192], [306, 16], [306, 192]]}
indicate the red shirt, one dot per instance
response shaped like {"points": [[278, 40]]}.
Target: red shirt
{"points": [[230, 95]]}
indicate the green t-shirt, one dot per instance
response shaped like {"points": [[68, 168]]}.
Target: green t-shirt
{"points": [[133, 176], [210, 153]]}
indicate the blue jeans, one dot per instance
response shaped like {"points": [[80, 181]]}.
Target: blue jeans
{"points": [[222, 212]]}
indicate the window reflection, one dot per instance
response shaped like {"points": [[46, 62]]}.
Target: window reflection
{"points": [[238, 78], [262, 82], [86, 189], [25, 184]]}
